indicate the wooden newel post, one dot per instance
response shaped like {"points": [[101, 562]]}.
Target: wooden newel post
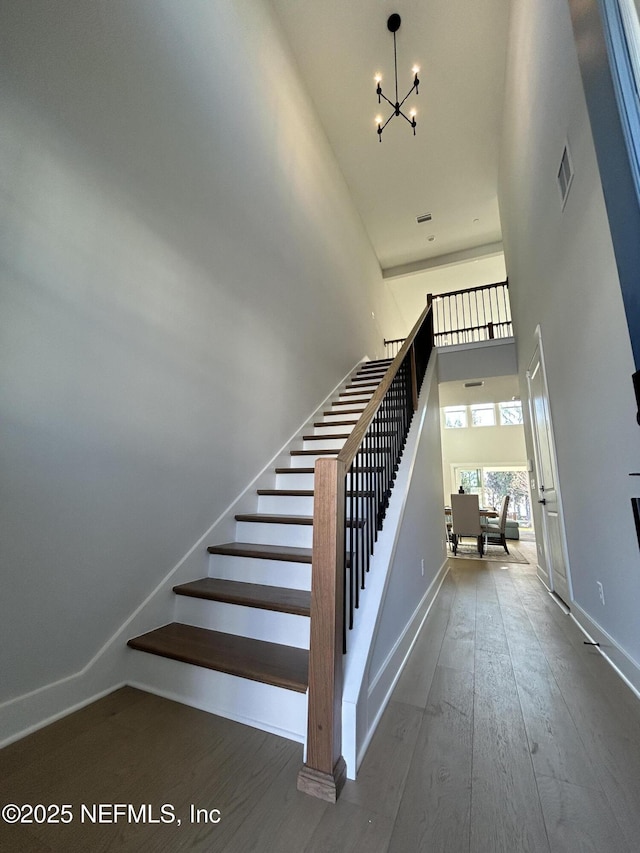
{"points": [[324, 771]]}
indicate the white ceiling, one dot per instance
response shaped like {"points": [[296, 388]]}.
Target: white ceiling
{"points": [[450, 168]]}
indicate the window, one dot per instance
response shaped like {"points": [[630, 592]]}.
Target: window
{"points": [[483, 414], [455, 417], [510, 413], [490, 483], [470, 479]]}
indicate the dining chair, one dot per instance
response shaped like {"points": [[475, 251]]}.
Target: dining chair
{"points": [[465, 518], [495, 530]]}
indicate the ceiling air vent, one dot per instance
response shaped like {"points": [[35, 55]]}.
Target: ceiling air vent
{"points": [[426, 217], [565, 174]]}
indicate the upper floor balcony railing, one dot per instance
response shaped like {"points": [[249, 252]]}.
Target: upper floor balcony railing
{"points": [[467, 316]]}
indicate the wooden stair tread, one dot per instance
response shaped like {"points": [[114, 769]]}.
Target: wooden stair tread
{"points": [[288, 553], [257, 660], [261, 596], [324, 437], [360, 385], [292, 493], [344, 412], [334, 423], [274, 518], [312, 470], [305, 493], [318, 451]]}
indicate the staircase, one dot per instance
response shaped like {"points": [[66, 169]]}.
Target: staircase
{"points": [[249, 619]]}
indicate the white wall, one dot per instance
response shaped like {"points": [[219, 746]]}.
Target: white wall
{"points": [[477, 360], [410, 291], [563, 276], [407, 568], [183, 279]]}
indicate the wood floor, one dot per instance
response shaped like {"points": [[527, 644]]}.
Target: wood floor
{"points": [[504, 733]]}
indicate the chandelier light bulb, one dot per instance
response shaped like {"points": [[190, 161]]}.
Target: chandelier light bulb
{"points": [[415, 69], [378, 120], [378, 78]]}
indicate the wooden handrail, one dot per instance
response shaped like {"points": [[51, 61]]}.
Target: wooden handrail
{"points": [[351, 445], [324, 771]]}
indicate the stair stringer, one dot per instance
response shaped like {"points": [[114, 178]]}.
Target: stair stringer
{"points": [[114, 665], [379, 643]]}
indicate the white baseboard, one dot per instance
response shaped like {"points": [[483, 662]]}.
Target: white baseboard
{"points": [[625, 666], [21, 720]]}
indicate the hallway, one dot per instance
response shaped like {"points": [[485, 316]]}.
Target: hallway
{"points": [[505, 733]]}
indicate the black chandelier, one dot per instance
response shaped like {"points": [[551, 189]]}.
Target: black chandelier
{"points": [[393, 25]]}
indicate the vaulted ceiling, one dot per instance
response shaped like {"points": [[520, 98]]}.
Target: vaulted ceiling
{"points": [[449, 169]]}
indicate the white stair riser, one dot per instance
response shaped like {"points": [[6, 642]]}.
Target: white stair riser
{"points": [[366, 385], [285, 504], [335, 429], [309, 460], [295, 535], [363, 397], [257, 570], [293, 505], [287, 629], [266, 533], [337, 415], [324, 444], [263, 706], [294, 481], [341, 412], [298, 481]]}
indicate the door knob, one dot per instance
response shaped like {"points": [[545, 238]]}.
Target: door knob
{"points": [[543, 501]]}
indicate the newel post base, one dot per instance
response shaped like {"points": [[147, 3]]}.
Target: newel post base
{"points": [[324, 786]]}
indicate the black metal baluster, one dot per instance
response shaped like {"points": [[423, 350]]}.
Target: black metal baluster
{"points": [[352, 553]]}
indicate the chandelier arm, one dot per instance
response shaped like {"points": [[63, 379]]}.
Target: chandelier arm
{"points": [[391, 104], [407, 95], [387, 122], [406, 118]]}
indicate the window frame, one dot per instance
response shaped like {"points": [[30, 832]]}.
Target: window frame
{"points": [[483, 407], [459, 408], [510, 404]]}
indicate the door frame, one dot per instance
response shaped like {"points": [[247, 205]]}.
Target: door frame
{"points": [[547, 575]]}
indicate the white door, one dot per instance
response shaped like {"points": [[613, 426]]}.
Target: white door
{"points": [[547, 480]]}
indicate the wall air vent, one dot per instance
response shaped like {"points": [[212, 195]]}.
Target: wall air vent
{"points": [[565, 174], [474, 384], [426, 217]]}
